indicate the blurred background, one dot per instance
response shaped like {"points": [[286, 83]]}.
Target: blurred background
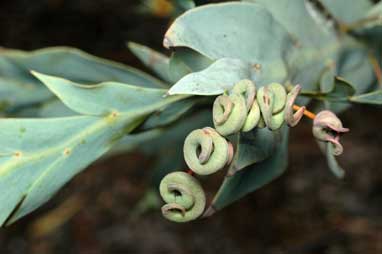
{"points": [[109, 207]]}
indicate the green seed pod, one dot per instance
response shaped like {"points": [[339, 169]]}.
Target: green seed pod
{"points": [[247, 89], [261, 123], [280, 96], [267, 99], [253, 117], [184, 196], [206, 152], [229, 113]]}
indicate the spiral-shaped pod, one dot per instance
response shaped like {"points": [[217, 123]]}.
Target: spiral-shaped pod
{"points": [[184, 197], [229, 113], [327, 127], [269, 107], [253, 118], [206, 152], [271, 99], [291, 118], [247, 89]]}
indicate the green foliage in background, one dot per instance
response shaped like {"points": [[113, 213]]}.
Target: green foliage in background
{"points": [[62, 108]]}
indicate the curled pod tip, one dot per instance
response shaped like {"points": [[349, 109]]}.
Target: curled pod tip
{"points": [[213, 147], [327, 127], [267, 99], [291, 118], [247, 89], [225, 104], [231, 122], [184, 197]]}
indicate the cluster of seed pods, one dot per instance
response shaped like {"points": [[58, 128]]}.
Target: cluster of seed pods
{"points": [[207, 150], [240, 110]]}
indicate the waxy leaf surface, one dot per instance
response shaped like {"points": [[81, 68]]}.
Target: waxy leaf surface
{"points": [[202, 30], [219, 77], [254, 176], [38, 156]]}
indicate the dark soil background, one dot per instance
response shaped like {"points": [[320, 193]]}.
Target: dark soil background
{"points": [[306, 211]]}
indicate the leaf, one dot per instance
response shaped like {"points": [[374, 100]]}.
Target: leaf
{"points": [[169, 114], [171, 158], [298, 18], [316, 40], [38, 156], [156, 126], [337, 100], [55, 108], [131, 141], [374, 97], [69, 63], [345, 12], [355, 67], [183, 61], [252, 147], [19, 88], [201, 29], [104, 98], [342, 89], [154, 60], [327, 79], [177, 133], [178, 69], [14, 95], [41, 155], [216, 79], [253, 177], [192, 59], [95, 100]]}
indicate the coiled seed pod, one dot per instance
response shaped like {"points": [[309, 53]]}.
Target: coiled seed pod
{"points": [[184, 196], [247, 89], [280, 96], [272, 100], [266, 108], [253, 118], [291, 118], [328, 128], [229, 113], [206, 152]]}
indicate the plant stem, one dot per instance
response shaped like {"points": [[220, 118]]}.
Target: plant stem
{"points": [[307, 113]]}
